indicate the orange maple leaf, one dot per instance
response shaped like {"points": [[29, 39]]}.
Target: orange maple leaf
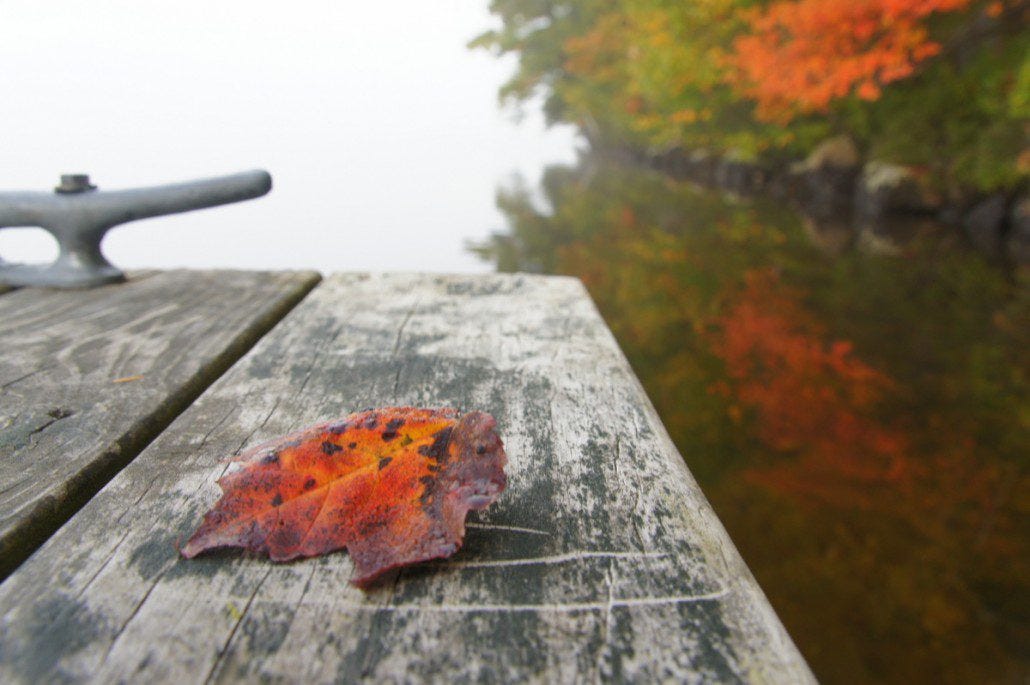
{"points": [[391, 485]]}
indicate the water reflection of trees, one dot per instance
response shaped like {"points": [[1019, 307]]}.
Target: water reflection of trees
{"points": [[858, 420]]}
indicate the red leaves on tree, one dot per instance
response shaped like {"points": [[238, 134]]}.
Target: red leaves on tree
{"points": [[391, 485], [799, 55]]}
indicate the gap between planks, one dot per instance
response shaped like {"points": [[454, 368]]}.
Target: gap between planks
{"points": [[35, 530]]}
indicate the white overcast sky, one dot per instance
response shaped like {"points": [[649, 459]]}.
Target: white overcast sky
{"points": [[380, 128]]}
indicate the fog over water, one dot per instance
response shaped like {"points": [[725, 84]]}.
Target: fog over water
{"points": [[380, 128]]}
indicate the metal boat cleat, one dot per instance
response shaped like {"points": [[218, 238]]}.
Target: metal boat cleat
{"points": [[78, 216]]}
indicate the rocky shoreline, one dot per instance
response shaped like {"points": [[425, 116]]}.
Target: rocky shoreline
{"points": [[847, 200]]}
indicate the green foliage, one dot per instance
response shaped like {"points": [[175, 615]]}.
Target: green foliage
{"points": [[966, 124], [537, 30]]}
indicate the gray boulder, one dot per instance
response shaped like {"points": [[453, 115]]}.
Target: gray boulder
{"points": [[839, 152], [984, 225], [885, 188], [826, 179], [1017, 240]]}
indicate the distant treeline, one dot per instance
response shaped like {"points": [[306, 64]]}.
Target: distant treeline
{"points": [[941, 86]]}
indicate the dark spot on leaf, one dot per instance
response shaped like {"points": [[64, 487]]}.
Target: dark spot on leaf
{"points": [[430, 489], [310, 483], [270, 458], [480, 449], [277, 500], [438, 449], [394, 424], [338, 428], [389, 435], [352, 445], [384, 461], [330, 448]]}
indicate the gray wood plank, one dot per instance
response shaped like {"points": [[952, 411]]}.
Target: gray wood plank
{"points": [[89, 377], [602, 560]]}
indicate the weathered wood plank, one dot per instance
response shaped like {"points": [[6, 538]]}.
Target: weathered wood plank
{"points": [[602, 560], [66, 422]]}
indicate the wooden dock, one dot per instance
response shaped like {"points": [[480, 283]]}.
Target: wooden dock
{"points": [[602, 561]]}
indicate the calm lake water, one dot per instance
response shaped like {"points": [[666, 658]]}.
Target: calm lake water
{"points": [[857, 413]]}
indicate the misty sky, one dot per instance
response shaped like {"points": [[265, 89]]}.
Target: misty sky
{"points": [[380, 128]]}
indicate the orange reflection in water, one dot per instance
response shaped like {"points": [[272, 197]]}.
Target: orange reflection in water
{"points": [[858, 421]]}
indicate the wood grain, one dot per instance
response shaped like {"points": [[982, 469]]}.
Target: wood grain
{"points": [[602, 560], [89, 377]]}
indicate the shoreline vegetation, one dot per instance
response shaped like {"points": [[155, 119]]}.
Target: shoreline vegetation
{"points": [[871, 111]]}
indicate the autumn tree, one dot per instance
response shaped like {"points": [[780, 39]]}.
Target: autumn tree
{"points": [[797, 56], [940, 84], [652, 73]]}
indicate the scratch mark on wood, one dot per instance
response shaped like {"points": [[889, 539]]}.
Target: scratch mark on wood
{"points": [[553, 559], [104, 565], [606, 626], [13, 486], [135, 611], [514, 529], [235, 627], [207, 435], [30, 374], [55, 416], [565, 608], [404, 323]]}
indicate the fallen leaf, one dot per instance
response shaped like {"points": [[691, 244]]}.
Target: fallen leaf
{"points": [[392, 485]]}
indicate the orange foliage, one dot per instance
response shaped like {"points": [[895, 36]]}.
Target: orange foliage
{"points": [[808, 398], [816, 403], [799, 55]]}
